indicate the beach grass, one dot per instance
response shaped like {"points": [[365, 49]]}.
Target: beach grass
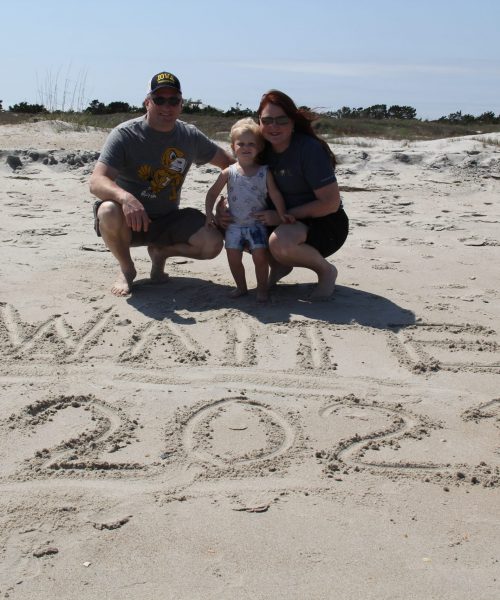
{"points": [[217, 126]]}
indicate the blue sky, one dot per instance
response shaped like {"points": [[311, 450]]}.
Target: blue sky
{"points": [[438, 56]]}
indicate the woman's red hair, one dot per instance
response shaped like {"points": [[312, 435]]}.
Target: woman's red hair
{"points": [[301, 118]]}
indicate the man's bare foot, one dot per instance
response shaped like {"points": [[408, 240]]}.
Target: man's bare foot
{"points": [[326, 285], [123, 284], [237, 293], [277, 272], [158, 260], [159, 277]]}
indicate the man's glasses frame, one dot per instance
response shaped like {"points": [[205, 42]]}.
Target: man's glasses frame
{"points": [[281, 120], [171, 100]]}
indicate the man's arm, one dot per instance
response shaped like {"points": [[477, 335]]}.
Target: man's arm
{"points": [[222, 159], [102, 185], [213, 194]]}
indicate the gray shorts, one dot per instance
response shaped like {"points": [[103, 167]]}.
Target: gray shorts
{"points": [[239, 237], [175, 228]]}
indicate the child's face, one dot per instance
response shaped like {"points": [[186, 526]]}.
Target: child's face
{"points": [[246, 147]]}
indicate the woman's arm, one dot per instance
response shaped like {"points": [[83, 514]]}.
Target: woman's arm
{"points": [[327, 202], [278, 200]]}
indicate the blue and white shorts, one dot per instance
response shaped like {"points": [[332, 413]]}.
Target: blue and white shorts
{"points": [[253, 236]]}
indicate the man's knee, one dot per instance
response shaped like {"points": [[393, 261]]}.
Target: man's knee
{"points": [[110, 216], [208, 242], [212, 248]]}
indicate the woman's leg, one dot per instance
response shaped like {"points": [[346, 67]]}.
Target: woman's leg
{"points": [[288, 247]]}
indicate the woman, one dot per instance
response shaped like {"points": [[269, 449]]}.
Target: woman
{"points": [[303, 167]]}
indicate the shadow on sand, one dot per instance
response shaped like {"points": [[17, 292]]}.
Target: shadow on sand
{"points": [[180, 296]]}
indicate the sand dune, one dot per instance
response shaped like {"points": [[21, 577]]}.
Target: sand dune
{"points": [[179, 444]]}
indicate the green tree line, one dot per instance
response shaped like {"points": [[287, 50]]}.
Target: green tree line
{"points": [[376, 111]]}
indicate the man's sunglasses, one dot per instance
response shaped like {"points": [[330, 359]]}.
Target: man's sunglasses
{"points": [[171, 101], [282, 120]]}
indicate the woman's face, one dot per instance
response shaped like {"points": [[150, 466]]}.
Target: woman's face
{"points": [[276, 127]]}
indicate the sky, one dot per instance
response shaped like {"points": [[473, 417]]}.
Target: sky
{"points": [[438, 56]]}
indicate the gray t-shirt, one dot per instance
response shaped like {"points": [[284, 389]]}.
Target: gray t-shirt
{"points": [[303, 167], [152, 164]]}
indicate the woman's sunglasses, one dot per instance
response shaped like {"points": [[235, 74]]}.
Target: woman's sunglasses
{"points": [[282, 120], [171, 101]]}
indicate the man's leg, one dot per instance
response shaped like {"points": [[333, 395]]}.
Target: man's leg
{"points": [[206, 243], [117, 235]]}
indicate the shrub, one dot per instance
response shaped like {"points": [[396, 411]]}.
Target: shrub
{"points": [[24, 107]]}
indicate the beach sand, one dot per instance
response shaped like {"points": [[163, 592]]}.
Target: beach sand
{"points": [[179, 444]]}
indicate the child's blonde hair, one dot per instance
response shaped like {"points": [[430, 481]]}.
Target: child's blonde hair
{"points": [[244, 125]]}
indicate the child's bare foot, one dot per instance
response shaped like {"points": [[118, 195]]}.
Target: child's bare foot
{"points": [[237, 293], [123, 284], [326, 285]]}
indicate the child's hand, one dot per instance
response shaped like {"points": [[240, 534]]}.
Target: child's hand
{"points": [[287, 218]]}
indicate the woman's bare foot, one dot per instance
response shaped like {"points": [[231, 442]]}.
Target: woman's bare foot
{"points": [[277, 272], [123, 284], [326, 285], [237, 293]]}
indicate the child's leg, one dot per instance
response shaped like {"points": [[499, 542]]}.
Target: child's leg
{"points": [[235, 260], [260, 258]]}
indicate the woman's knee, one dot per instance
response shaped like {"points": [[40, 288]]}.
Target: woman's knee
{"points": [[281, 247]]}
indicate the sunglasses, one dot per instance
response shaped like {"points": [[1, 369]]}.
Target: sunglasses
{"points": [[282, 120], [171, 101]]}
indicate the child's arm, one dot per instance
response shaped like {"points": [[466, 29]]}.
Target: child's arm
{"points": [[213, 194], [277, 198]]}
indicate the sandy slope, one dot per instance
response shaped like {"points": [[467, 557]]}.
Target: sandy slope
{"points": [[178, 444]]}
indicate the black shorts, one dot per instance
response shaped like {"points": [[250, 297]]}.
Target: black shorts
{"points": [[327, 234], [175, 228]]}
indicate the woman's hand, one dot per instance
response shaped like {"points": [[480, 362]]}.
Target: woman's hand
{"points": [[268, 217]]}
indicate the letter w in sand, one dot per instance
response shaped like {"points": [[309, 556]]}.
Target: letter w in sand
{"points": [[50, 337]]}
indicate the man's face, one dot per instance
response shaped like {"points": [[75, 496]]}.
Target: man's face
{"points": [[163, 116]]}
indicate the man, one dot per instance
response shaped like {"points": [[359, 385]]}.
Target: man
{"points": [[138, 180]]}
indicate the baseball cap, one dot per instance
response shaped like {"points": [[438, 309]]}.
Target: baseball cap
{"points": [[164, 80]]}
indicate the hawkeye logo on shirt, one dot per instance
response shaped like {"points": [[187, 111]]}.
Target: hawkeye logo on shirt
{"points": [[171, 174]]}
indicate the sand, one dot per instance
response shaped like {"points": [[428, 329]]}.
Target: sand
{"points": [[180, 444]]}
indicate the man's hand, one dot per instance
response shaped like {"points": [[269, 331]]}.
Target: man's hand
{"points": [[135, 215], [223, 217]]}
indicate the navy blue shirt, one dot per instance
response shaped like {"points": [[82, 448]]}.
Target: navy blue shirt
{"points": [[303, 167]]}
